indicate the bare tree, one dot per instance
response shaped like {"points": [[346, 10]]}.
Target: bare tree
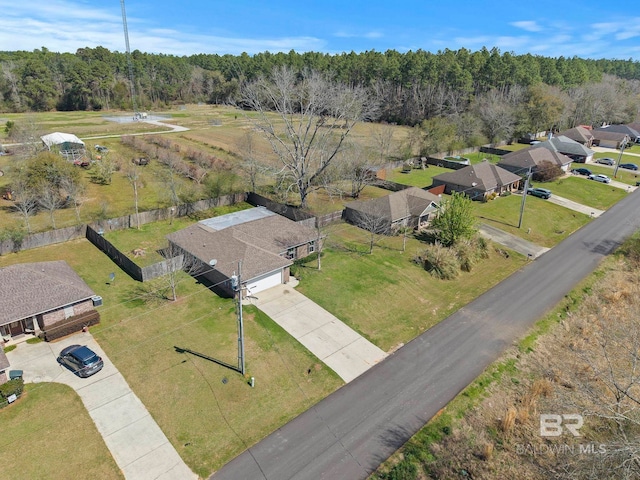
{"points": [[251, 165], [133, 174], [75, 189], [25, 200], [497, 116], [50, 199], [313, 116], [371, 219], [383, 137]]}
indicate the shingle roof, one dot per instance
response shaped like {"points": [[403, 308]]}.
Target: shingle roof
{"points": [[412, 201], [258, 244], [609, 135], [532, 157], [28, 289], [566, 146], [4, 361], [482, 176], [579, 134], [620, 129]]}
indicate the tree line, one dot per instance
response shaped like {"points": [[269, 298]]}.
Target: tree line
{"points": [[411, 86]]}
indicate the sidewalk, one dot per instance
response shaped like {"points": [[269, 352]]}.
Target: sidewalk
{"points": [[139, 447]]}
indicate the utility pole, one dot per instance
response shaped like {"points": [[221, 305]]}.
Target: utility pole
{"points": [[622, 147], [129, 61], [524, 196], [236, 283]]}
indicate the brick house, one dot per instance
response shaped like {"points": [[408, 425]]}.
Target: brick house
{"points": [[43, 297], [479, 180], [261, 243], [4, 365]]}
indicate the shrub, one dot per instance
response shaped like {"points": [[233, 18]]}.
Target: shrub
{"points": [[405, 470], [466, 254], [440, 262], [9, 348], [12, 387]]}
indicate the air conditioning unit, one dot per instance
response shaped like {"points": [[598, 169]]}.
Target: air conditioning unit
{"points": [[97, 300]]}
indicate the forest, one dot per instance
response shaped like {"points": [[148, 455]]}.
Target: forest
{"points": [[410, 87]]}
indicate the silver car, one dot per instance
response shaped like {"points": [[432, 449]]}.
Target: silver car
{"points": [[599, 178]]}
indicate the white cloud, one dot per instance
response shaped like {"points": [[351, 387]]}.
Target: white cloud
{"points": [[372, 34], [528, 25]]}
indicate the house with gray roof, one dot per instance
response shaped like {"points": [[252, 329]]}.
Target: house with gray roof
{"points": [[610, 139], [479, 180], [632, 133], [412, 207], [43, 297], [4, 365], [256, 245], [531, 159], [566, 146]]}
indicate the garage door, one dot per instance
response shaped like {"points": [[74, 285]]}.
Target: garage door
{"points": [[263, 282]]}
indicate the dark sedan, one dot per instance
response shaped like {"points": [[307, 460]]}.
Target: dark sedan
{"points": [[81, 360], [581, 171], [629, 166]]}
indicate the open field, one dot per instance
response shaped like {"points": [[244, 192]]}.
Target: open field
{"points": [[417, 177], [49, 434]]}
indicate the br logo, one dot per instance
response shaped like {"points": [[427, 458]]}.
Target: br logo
{"points": [[552, 425]]}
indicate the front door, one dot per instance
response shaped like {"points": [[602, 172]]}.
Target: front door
{"points": [[16, 328]]}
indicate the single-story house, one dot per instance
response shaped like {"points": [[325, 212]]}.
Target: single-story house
{"points": [[579, 134], [66, 144], [411, 207], [634, 135], [572, 149], [46, 297], [609, 139], [4, 365], [635, 126], [521, 161], [255, 244], [479, 180]]}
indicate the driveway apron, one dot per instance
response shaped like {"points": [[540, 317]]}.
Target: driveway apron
{"points": [[135, 440], [341, 348]]}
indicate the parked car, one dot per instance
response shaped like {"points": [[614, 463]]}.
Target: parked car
{"points": [[629, 166], [581, 171], [81, 360], [539, 192], [606, 161], [599, 178]]}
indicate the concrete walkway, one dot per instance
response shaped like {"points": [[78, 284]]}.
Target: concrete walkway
{"points": [[511, 241], [575, 206], [342, 349], [139, 447]]}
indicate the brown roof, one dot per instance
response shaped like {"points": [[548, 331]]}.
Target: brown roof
{"points": [[578, 134], [29, 289], [258, 244], [608, 135], [532, 157], [4, 361], [482, 176], [412, 201]]}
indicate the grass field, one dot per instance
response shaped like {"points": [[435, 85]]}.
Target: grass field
{"points": [[49, 434], [579, 189]]}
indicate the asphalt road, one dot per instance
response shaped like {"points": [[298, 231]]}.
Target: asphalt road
{"points": [[348, 434]]}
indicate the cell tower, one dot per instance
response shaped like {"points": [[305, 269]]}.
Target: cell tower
{"points": [[129, 62]]}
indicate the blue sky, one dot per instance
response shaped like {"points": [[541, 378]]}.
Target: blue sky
{"points": [[584, 28]]}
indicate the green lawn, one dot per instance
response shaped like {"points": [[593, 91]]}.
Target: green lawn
{"points": [[49, 434], [417, 177], [208, 419], [386, 296], [544, 223], [579, 189]]}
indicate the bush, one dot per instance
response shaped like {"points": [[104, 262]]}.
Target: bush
{"points": [[9, 348], [466, 253], [12, 387], [440, 262], [405, 470]]}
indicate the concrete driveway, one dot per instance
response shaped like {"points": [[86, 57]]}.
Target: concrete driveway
{"points": [[575, 206], [341, 348], [137, 444], [512, 242]]}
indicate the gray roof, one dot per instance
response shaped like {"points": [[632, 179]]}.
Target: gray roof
{"points": [[566, 146], [259, 244], [579, 134], [483, 176], [29, 289], [620, 129], [236, 218], [531, 158], [609, 135], [412, 201]]}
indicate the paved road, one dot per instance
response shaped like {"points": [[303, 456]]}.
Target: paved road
{"points": [[348, 434]]}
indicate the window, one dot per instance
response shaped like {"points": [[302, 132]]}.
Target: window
{"points": [[312, 246], [291, 252]]}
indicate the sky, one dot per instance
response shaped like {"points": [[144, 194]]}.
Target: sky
{"points": [[583, 28]]}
